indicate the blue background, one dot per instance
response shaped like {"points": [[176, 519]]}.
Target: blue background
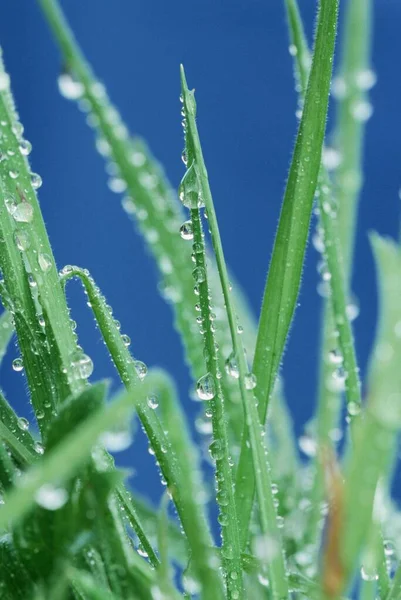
{"points": [[236, 55]]}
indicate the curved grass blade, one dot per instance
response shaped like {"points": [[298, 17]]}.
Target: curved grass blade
{"points": [[377, 431], [175, 467], [282, 285], [260, 465]]}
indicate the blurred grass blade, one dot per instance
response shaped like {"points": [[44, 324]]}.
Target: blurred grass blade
{"points": [[377, 432], [282, 285], [176, 471], [54, 468], [6, 333], [268, 516]]}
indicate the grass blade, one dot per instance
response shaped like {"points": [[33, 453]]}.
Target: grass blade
{"points": [[38, 306], [209, 388], [377, 431], [283, 284], [261, 466]]}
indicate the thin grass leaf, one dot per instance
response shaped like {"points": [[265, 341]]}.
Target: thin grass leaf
{"points": [[377, 431], [339, 359], [173, 464], [246, 380], [209, 388], [31, 290], [282, 285], [87, 586]]}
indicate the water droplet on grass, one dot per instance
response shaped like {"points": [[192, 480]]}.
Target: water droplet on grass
{"points": [[205, 387], [186, 231], [23, 213], [51, 497], [23, 424], [141, 369], [36, 181], [22, 240], [116, 441], [18, 365], [70, 88], [45, 262]]}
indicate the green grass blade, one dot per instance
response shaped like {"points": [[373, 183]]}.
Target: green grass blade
{"points": [[175, 468], [282, 285], [209, 388], [261, 466], [30, 276], [377, 431]]}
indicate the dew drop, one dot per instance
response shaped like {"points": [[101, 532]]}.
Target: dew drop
{"points": [[51, 497], [308, 445], [205, 387], [199, 274], [353, 409], [152, 402], [231, 366], [23, 424], [116, 441], [189, 189], [39, 448], [18, 365], [82, 365], [25, 147], [368, 574], [36, 181], [361, 110], [365, 79], [250, 381], [45, 262], [23, 213], [335, 357], [141, 369], [186, 231], [126, 339], [22, 240], [70, 88], [13, 173]]}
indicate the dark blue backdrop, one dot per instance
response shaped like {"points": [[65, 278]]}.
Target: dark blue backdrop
{"points": [[236, 55]]}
